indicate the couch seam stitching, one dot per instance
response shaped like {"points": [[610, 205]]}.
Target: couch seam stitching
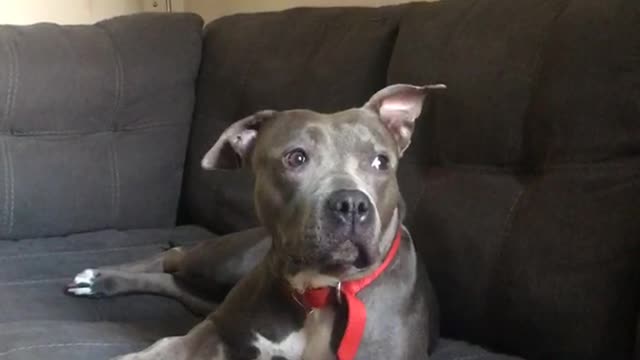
{"points": [[5, 215], [437, 123], [118, 184], [33, 282], [504, 236], [541, 61], [5, 146], [61, 345], [508, 222], [83, 133], [11, 190], [114, 182], [11, 97], [66, 252], [242, 89], [89, 251], [119, 89]]}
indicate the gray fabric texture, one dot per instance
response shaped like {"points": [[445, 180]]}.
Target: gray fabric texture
{"points": [[38, 321], [522, 181], [56, 340], [35, 271], [460, 350], [94, 122]]}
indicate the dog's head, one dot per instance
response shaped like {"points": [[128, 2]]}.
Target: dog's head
{"points": [[326, 185]]}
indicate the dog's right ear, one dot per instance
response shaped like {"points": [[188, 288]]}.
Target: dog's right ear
{"points": [[233, 148]]}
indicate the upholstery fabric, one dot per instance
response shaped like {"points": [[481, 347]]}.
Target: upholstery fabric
{"points": [[460, 350], [38, 321], [322, 59], [70, 340], [35, 272], [55, 340], [523, 180], [94, 123]]}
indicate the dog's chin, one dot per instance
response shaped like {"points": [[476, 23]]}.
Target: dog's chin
{"points": [[349, 261]]}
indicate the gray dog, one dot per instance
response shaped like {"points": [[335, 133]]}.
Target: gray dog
{"points": [[332, 274]]}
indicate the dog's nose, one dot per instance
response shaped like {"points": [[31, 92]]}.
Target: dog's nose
{"points": [[349, 206]]}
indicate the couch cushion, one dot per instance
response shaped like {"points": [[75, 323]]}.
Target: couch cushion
{"points": [[459, 350], [37, 321], [522, 183], [58, 340], [35, 272], [94, 122], [322, 59], [71, 340]]}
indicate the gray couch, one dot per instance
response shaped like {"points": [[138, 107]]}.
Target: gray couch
{"points": [[527, 219], [94, 130]]}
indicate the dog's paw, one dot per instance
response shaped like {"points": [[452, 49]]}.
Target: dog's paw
{"points": [[84, 284]]}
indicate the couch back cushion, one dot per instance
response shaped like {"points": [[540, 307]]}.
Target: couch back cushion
{"points": [[94, 123], [321, 59], [522, 182]]}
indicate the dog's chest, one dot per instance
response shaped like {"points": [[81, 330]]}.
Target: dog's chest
{"points": [[312, 342], [318, 328]]}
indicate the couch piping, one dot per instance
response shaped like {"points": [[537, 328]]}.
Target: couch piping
{"points": [[14, 76], [117, 100], [5, 212], [63, 345], [34, 282], [13, 81], [508, 222], [9, 185], [541, 58], [115, 182], [9, 167], [84, 133], [160, 245], [504, 243], [90, 251]]}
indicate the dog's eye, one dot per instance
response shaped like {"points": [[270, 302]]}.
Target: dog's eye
{"points": [[380, 162], [295, 158]]}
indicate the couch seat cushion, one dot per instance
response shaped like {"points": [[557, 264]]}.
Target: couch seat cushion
{"points": [[459, 350], [35, 271], [72, 340], [38, 321]]}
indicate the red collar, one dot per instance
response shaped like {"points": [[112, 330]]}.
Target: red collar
{"points": [[357, 312]]}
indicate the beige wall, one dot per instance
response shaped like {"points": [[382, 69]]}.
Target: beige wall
{"points": [[211, 9], [64, 11], [89, 11]]}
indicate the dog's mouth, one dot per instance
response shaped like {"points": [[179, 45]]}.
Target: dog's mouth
{"points": [[350, 257]]}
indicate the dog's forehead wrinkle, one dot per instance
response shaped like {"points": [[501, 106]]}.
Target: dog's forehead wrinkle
{"points": [[362, 137], [299, 128]]}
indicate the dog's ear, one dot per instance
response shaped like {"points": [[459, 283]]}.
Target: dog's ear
{"points": [[233, 148], [398, 106]]}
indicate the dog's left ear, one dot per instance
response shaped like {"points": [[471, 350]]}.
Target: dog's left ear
{"points": [[234, 147], [398, 107]]}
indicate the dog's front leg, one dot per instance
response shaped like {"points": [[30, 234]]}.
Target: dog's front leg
{"points": [[201, 343]]}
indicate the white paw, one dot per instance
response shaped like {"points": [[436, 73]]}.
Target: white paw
{"points": [[87, 277], [80, 291], [82, 284]]}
